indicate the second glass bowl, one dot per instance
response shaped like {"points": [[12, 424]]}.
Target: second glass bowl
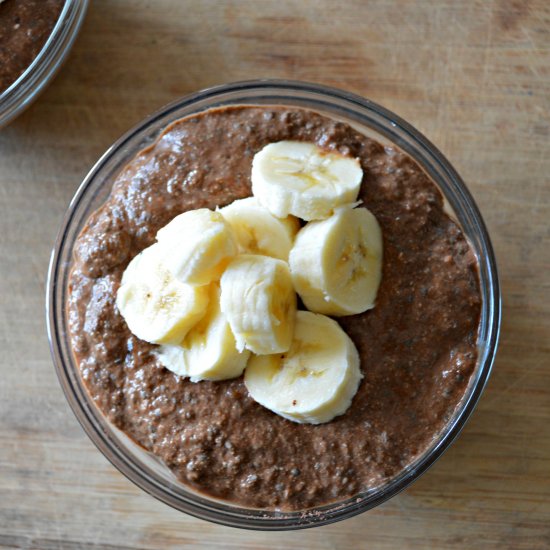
{"points": [[371, 119], [23, 91]]}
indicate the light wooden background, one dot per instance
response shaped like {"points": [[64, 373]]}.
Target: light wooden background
{"points": [[474, 76]]}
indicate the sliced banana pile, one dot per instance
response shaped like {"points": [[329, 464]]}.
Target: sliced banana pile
{"points": [[217, 291]]}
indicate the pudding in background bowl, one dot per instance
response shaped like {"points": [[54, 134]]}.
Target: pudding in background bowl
{"points": [[35, 38], [207, 448]]}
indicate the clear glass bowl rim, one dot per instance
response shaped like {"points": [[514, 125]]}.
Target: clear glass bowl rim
{"points": [[29, 85], [315, 97]]}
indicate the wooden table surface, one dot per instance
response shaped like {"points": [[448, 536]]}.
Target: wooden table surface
{"points": [[474, 76]]}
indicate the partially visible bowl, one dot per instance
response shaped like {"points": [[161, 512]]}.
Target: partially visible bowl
{"points": [[139, 465], [30, 84]]}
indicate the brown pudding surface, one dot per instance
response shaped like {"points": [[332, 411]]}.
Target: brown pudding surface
{"points": [[25, 25], [417, 346]]}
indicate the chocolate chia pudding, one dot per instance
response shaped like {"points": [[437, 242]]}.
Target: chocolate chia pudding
{"points": [[417, 346], [25, 26]]}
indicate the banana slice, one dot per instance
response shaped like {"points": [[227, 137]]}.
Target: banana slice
{"points": [[315, 380], [197, 245], [298, 178], [209, 351], [258, 231], [156, 307], [259, 302], [171, 357], [336, 263]]}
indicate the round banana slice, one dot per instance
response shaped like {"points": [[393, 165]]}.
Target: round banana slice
{"points": [[209, 351], [336, 264], [315, 380], [156, 307], [259, 302], [196, 246], [171, 357], [258, 231], [298, 178]]}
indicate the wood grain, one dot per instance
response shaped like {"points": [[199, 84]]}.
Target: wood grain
{"points": [[474, 76]]}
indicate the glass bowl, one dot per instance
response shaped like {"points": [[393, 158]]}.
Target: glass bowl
{"points": [[140, 466], [30, 84]]}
